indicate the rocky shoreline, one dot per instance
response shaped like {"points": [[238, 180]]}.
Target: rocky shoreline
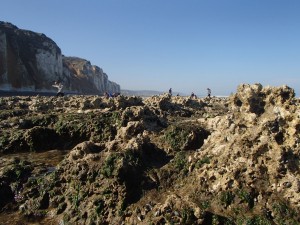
{"points": [[158, 160]]}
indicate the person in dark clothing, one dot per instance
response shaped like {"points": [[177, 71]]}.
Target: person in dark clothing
{"points": [[106, 95], [208, 92]]}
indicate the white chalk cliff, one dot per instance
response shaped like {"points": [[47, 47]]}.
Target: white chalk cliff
{"points": [[31, 61]]}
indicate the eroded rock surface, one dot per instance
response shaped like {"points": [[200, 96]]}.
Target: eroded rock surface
{"points": [[159, 160]]}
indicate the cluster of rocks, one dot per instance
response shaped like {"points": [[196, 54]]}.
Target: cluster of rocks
{"points": [[159, 160], [254, 155]]}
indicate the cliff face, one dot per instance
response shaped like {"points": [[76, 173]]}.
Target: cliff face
{"points": [[86, 78], [28, 61], [31, 61]]}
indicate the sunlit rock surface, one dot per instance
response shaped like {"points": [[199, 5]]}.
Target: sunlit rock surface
{"points": [[157, 160]]}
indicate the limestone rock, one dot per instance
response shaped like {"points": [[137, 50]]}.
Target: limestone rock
{"points": [[255, 145], [161, 160]]}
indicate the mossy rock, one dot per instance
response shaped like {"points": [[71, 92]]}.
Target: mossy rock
{"points": [[42, 138], [182, 137]]}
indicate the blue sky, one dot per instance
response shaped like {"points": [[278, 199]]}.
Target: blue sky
{"points": [[188, 45]]}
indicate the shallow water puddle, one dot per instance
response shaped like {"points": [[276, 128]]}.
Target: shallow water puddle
{"points": [[52, 157], [49, 159]]}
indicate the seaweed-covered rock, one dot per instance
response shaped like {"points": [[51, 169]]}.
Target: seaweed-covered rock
{"points": [[159, 160], [253, 155]]}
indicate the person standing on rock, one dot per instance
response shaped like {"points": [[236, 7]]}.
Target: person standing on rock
{"points": [[193, 96], [59, 87], [208, 92], [106, 95], [170, 91]]}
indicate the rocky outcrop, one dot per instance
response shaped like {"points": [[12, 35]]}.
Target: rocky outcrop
{"points": [[160, 160], [31, 61], [253, 156]]}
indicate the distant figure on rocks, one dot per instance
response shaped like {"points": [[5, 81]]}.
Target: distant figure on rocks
{"points": [[170, 91], [106, 95], [116, 94], [59, 87], [111, 95], [193, 95], [208, 92]]}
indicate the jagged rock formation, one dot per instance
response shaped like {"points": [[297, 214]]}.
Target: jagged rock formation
{"points": [[160, 160], [254, 155], [31, 61]]}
